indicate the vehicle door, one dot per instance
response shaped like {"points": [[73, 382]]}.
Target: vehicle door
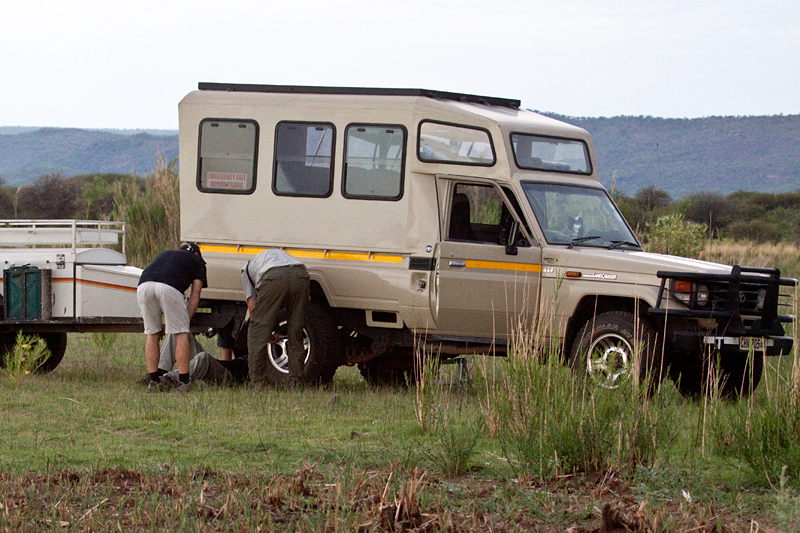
{"points": [[488, 268]]}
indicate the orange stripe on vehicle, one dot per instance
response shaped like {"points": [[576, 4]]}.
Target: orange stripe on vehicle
{"points": [[349, 256], [95, 284], [502, 265], [107, 285], [307, 254], [313, 254], [219, 249]]}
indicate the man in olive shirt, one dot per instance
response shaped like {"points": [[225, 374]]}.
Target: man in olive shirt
{"points": [[273, 279], [161, 290]]}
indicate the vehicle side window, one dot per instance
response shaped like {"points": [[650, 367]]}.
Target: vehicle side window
{"points": [[521, 240], [227, 154], [374, 162], [477, 214], [303, 159], [440, 142]]}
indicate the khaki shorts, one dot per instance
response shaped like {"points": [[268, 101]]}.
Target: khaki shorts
{"points": [[156, 298]]}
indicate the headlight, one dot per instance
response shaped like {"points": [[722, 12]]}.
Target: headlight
{"points": [[702, 295], [762, 296], [691, 294]]}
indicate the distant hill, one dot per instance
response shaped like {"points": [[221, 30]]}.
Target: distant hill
{"points": [[683, 156], [27, 153]]}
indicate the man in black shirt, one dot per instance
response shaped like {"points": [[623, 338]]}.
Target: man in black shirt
{"points": [[161, 290]]}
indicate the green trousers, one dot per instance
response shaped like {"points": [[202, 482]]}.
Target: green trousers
{"points": [[279, 287]]}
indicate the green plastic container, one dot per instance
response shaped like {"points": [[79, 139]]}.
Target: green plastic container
{"points": [[26, 293]]}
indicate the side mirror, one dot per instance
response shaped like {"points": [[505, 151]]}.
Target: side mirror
{"points": [[511, 243]]}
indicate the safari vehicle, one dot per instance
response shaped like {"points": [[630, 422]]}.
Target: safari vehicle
{"points": [[449, 220]]}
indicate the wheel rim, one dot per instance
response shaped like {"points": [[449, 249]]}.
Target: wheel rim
{"points": [[609, 360], [278, 351]]}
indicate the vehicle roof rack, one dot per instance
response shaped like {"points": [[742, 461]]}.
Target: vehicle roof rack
{"points": [[371, 91]]}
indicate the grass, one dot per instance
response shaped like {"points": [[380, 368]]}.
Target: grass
{"points": [[88, 448]]}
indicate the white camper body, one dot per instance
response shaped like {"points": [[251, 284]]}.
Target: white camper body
{"points": [[80, 285]]}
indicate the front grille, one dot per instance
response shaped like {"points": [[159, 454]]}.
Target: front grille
{"points": [[747, 301]]}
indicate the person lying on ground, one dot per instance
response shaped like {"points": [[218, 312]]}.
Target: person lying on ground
{"points": [[202, 366]]}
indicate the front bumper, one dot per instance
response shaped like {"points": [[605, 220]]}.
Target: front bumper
{"points": [[726, 344]]}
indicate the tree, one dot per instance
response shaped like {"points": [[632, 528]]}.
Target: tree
{"points": [[6, 200], [711, 209], [646, 206], [51, 196], [651, 199]]}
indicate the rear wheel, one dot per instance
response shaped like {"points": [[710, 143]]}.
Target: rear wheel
{"points": [[321, 342], [605, 349]]}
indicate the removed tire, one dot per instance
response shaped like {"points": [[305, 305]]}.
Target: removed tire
{"points": [[322, 345], [605, 349], [56, 343]]}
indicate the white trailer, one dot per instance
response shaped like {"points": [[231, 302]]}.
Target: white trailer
{"points": [[63, 276]]}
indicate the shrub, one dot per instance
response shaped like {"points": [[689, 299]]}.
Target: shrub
{"points": [[671, 234], [28, 354]]}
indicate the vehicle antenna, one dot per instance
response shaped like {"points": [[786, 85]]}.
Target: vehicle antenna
{"points": [[658, 158]]}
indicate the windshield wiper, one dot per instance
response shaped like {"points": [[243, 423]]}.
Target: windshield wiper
{"points": [[617, 244], [581, 240]]}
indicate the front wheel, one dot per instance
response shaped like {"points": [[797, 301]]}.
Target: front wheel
{"points": [[605, 350], [321, 343]]}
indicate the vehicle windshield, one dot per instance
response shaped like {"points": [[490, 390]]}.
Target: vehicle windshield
{"points": [[578, 216]]}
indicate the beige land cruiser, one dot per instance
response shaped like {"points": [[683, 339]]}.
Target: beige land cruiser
{"points": [[449, 220]]}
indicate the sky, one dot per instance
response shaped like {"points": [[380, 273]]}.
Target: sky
{"points": [[127, 63]]}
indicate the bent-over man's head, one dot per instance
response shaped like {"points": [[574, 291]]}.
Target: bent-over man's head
{"points": [[191, 247]]}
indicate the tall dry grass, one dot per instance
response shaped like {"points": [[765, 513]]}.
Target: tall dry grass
{"points": [[151, 210], [785, 256], [552, 422]]}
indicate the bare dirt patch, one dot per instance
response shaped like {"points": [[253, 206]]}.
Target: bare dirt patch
{"points": [[308, 500]]}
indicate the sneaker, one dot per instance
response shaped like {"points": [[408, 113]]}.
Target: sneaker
{"points": [[145, 380], [166, 383], [184, 387]]}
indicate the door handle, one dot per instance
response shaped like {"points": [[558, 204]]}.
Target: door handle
{"points": [[458, 263]]}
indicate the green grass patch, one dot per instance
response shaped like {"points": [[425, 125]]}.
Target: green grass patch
{"points": [[87, 447]]}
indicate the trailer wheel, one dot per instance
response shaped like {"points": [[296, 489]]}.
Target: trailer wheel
{"points": [[604, 350], [323, 349], [56, 343]]}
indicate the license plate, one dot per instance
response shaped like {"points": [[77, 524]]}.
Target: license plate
{"points": [[757, 343]]}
